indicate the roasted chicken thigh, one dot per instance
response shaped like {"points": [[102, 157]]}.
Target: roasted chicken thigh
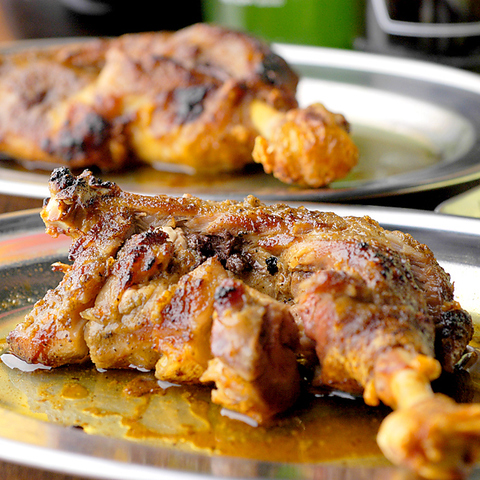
{"points": [[194, 100], [259, 301]]}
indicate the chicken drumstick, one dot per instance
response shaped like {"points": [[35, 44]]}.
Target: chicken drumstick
{"points": [[362, 349], [180, 100], [237, 294]]}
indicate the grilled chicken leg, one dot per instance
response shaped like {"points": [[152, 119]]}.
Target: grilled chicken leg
{"points": [[368, 344], [184, 100], [217, 292]]}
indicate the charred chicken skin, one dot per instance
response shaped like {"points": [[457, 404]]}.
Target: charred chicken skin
{"points": [[196, 99], [238, 295]]}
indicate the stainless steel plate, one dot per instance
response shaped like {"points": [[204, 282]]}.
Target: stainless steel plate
{"points": [[416, 125], [25, 254]]}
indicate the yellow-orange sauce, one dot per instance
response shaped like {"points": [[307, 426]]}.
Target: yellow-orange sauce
{"points": [[133, 405]]}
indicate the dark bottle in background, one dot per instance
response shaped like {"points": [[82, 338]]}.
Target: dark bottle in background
{"points": [[72, 18], [445, 31]]}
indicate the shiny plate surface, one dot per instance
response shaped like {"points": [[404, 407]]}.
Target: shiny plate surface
{"points": [[415, 123], [25, 255]]}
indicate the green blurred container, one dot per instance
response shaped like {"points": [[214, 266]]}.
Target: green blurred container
{"points": [[327, 23]]}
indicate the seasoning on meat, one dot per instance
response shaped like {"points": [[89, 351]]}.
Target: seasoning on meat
{"points": [[366, 310]]}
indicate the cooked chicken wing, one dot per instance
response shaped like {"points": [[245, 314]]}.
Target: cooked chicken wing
{"points": [[241, 293], [189, 99]]}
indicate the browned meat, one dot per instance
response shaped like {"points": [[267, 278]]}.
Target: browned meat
{"points": [[253, 343], [186, 323], [53, 332], [207, 291], [185, 99], [119, 327], [34, 86], [373, 313]]}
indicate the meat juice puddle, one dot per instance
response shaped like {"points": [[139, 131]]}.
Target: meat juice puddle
{"points": [[382, 154], [133, 405]]}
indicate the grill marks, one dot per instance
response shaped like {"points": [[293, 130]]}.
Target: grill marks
{"points": [[190, 102], [181, 97]]}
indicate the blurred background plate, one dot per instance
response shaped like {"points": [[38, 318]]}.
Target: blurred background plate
{"points": [[416, 125]]}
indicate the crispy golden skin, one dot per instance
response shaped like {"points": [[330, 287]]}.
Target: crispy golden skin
{"points": [[240, 293], [187, 323], [298, 140], [53, 332], [178, 98]]}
